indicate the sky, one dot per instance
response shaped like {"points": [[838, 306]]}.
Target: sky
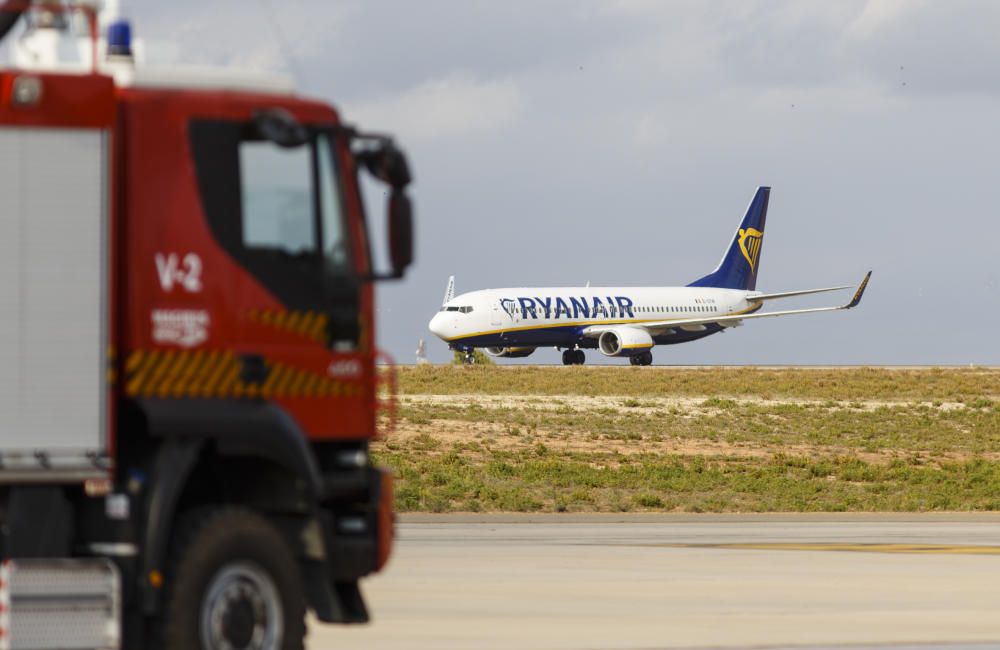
{"points": [[619, 142]]}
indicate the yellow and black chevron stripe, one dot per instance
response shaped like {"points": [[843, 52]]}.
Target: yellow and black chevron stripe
{"points": [[309, 324], [216, 374]]}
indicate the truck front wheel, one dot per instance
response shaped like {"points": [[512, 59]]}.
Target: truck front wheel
{"points": [[234, 584]]}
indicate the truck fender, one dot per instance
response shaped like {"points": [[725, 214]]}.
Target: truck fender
{"points": [[170, 472], [236, 428]]}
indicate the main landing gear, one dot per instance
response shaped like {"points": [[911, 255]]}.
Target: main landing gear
{"points": [[644, 359], [573, 357]]}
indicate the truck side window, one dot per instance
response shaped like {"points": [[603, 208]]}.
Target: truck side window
{"points": [[277, 197]]}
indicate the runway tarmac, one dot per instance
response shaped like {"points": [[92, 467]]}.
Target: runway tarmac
{"points": [[687, 581]]}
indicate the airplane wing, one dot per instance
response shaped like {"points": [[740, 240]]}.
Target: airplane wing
{"points": [[789, 294], [698, 324]]}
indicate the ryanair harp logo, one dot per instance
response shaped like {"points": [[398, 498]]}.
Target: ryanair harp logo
{"points": [[507, 305], [750, 242]]}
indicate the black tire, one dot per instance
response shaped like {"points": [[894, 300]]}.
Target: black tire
{"points": [[235, 562], [579, 358], [568, 358], [635, 361]]}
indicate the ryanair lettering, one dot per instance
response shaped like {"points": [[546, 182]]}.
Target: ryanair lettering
{"points": [[570, 308]]}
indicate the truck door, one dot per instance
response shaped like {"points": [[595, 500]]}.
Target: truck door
{"points": [[278, 209]]}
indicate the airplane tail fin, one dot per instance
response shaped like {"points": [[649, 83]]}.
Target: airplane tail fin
{"points": [[741, 262]]}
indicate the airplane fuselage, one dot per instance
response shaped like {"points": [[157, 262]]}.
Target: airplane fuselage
{"points": [[557, 316]]}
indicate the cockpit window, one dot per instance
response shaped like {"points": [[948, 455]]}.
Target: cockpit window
{"points": [[463, 310]]}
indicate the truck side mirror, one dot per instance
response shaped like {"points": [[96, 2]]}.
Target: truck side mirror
{"points": [[382, 159], [400, 227], [395, 168], [386, 163]]}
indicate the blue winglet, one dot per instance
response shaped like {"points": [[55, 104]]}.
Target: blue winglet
{"points": [[860, 292]]}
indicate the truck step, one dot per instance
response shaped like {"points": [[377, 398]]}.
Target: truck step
{"points": [[71, 604]]}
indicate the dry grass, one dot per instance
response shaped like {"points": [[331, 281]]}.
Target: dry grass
{"points": [[758, 383], [585, 439]]}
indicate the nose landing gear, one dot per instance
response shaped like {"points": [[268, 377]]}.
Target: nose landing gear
{"points": [[468, 355], [573, 357]]}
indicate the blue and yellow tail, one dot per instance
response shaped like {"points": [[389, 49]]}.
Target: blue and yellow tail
{"points": [[739, 266]]}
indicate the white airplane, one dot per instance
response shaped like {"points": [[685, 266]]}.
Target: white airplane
{"points": [[620, 321]]}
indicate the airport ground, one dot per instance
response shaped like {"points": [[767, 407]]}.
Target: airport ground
{"points": [[646, 508], [647, 581], [743, 439]]}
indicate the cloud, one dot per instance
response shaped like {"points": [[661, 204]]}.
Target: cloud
{"points": [[650, 130], [881, 14], [926, 48], [272, 36], [455, 105]]}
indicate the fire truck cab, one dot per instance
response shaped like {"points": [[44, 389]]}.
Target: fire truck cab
{"points": [[188, 381]]}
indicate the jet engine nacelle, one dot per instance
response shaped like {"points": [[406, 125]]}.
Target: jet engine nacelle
{"points": [[509, 353], [624, 342]]}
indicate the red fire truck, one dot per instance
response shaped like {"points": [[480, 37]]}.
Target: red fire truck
{"points": [[188, 380]]}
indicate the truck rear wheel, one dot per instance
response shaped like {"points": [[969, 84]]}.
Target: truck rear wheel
{"points": [[234, 585]]}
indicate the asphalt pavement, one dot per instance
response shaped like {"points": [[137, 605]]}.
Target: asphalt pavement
{"points": [[681, 581]]}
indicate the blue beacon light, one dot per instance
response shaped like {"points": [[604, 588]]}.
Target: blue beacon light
{"points": [[120, 38]]}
